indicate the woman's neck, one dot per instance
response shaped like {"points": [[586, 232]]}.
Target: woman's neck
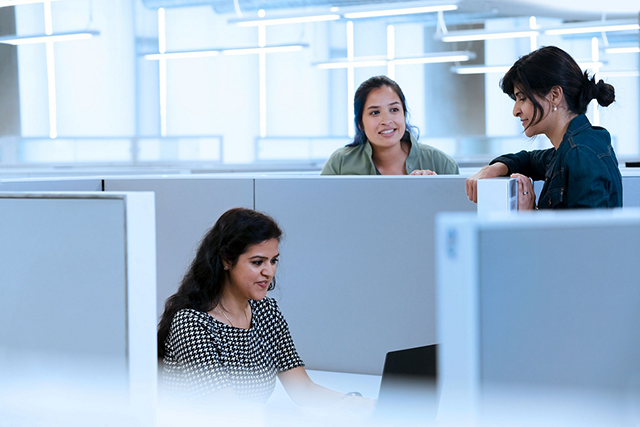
{"points": [[391, 160], [231, 303], [556, 134]]}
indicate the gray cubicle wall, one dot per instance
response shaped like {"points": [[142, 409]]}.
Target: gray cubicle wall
{"points": [[631, 188], [51, 184], [357, 271], [77, 275], [544, 300], [186, 207]]}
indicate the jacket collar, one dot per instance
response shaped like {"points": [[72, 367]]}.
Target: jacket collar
{"points": [[579, 123]]}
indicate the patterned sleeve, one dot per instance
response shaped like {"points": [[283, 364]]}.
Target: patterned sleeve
{"points": [[196, 350], [285, 354]]}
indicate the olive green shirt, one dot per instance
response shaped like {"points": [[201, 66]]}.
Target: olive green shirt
{"points": [[358, 160]]}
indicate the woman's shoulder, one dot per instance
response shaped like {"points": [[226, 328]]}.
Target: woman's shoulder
{"points": [[439, 158], [189, 316], [345, 160], [265, 305]]}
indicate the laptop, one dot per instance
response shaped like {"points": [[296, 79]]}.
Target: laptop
{"points": [[408, 389]]}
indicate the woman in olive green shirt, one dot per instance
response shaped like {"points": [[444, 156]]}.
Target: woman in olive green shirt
{"points": [[384, 143]]}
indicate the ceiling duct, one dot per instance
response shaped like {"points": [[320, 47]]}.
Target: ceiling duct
{"points": [[227, 6]]}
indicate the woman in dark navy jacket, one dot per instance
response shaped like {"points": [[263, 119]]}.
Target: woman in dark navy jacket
{"points": [[551, 97]]}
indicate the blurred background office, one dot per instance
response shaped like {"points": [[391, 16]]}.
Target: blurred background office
{"points": [[268, 85]]}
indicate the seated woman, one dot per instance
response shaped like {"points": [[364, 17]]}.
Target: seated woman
{"points": [[220, 334], [551, 96], [384, 143]]}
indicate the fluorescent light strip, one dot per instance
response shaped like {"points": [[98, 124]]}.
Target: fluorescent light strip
{"points": [[262, 66], [5, 3], [488, 69], [48, 23], [13, 40], [480, 69], [622, 50], [391, 52], [162, 71], [353, 64], [432, 58], [351, 81], [51, 73], [182, 55], [283, 21], [269, 49], [216, 52], [591, 29], [396, 12], [467, 36]]}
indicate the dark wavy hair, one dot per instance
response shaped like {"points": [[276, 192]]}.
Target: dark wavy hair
{"points": [[539, 71], [360, 99], [230, 237]]}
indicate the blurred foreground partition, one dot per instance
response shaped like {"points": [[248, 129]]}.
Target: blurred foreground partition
{"points": [[543, 305], [78, 292]]}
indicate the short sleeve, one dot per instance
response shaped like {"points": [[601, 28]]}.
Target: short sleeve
{"points": [[195, 350], [285, 354]]}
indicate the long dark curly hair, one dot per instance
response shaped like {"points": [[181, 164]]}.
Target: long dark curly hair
{"points": [[201, 287]]}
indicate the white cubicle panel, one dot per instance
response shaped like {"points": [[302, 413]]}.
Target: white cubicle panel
{"points": [[186, 207], [548, 299], [357, 272], [77, 274]]}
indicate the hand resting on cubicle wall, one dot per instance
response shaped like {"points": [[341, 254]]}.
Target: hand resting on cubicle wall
{"points": [[490, 171], [526, 195]]}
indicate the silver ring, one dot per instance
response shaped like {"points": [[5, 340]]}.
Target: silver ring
{"points": [[525, 193]]}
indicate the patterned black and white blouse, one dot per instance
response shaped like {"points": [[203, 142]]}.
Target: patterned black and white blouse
{"points": [[204, 355]]}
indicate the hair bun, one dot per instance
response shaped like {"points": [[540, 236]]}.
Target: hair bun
{"points": [[605, 93]]}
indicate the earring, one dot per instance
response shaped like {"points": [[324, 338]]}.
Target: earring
{"points": [[226, 268], [555, 108]]}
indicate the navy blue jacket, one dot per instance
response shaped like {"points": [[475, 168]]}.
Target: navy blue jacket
{"points": [[582, 173]]}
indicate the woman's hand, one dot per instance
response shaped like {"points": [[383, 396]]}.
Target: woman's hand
{"points": [[490, 171], [526, 195], [423, 172]]}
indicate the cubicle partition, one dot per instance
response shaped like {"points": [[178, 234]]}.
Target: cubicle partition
{"points": [[77, 275], [547, 300], [356, 277], [357, 272]]}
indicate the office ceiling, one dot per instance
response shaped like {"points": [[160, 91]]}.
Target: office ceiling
{"points": [[566, 9]]}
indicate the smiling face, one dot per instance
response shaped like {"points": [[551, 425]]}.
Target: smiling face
{"points": [[383, 118], [524, 110], [251, 276]]}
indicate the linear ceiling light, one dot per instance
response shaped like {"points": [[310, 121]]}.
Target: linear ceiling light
{"points": [[429, 58], [265, 49], [15, 40], [396, 12], [467, 36], [622, 50], [223, 51], [282, 21], [356, 63], [4, 3], [594, 27], [487, 69], [183, 55]]}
